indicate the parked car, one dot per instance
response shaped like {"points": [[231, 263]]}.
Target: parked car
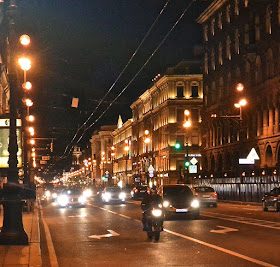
{"points": [[272, 199], [112, 194], [206, 195], [71, 197], [179, 200], [138, 191]]}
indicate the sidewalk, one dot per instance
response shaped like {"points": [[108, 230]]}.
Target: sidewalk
{"points": [[24, 255]]}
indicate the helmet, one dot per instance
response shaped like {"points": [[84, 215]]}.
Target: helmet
{"points": [[153, 190]]}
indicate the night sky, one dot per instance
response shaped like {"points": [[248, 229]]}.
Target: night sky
{"points": [[79, 47]]}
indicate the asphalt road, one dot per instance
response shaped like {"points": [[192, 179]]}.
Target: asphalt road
{"points": [[111, 235]]}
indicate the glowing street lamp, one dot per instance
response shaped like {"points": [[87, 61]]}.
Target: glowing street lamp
{"points": [[27, 86], [24, 63], [240, 87], [239, 105], [32, 141], [24, 40], [30, 118]]}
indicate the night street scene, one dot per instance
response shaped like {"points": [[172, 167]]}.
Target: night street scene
{"points": [[139, 133]]}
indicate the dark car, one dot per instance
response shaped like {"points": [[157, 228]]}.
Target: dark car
{"points": [[179, 200], [272, 199], [138, 191], [71, 197]]}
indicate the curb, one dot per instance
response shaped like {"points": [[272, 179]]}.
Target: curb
{"points": [[241, 202]]}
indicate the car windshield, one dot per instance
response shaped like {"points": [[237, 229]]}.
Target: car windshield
{"points": [[74, 191], [205, 189], [141, 187], [113, 189], [177, 191]]}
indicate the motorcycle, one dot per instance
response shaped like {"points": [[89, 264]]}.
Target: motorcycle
{"points": [[154, 221]]}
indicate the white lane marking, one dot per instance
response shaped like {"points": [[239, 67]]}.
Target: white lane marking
{"points": [[244, 220], [262, 263], [112, 233], [52, 255], [224, 230]]}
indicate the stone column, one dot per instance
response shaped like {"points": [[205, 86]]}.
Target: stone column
{"points": [[265, 123], [276, 126], [270, 122]]}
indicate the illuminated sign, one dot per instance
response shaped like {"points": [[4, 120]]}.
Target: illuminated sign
{"points": [[192, 169], [4, 142], [252, 156]]}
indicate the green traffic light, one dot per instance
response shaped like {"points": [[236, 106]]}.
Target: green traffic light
{"points": [[177, 145], [187, 163]]}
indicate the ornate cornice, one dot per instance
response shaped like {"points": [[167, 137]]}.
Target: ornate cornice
{"points": [[211, 10]]}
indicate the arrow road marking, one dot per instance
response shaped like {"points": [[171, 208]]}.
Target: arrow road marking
{"points": [[112, 233], [224, 230]]}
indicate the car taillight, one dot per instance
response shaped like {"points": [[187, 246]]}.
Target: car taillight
{"points": [[215, 195], [136, 190]]}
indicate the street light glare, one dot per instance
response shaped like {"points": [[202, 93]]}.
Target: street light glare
{"points": [[146, 132], [187, 124], [30, 118], [237, 105], [147, 140], [240, 87], [242, 102], [24, 63], [27, 85], [28, 102], [24, 39], [187, 112]]}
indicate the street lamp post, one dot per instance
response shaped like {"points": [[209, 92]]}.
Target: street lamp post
{"points": [[187, 124], [126, 149], [12, 232]]}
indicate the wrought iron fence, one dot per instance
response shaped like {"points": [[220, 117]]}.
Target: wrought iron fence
{"points": [[245, 189]]}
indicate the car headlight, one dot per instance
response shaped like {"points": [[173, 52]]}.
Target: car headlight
{"points": [[48, 193], [166, 204], [54, 195], [195, 203], [62, 200], [106, 196], [82, 199], [157, 212], [87, 193], [122, 195]]}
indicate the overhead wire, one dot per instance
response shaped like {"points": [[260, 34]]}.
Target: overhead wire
{"points": [[119, 76], [147, 61]]}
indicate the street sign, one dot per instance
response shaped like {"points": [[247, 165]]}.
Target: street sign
{"points": [[43, 162], [252, 156], [45, 157], [193, 161], [151, 169], [192, 169]]}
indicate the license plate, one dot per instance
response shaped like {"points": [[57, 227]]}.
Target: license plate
{"points": [[142, 191], [207, 196], [181, 210]]}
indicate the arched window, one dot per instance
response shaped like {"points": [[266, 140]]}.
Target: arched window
{"points": [[206, 70], [269, 68], [247, 72], [246, 35], [236, 7], [213, 93], [237, 46], [258, 69], [268, 20], [221, 88], [228, 47], [228, 13], [180, 89], [213, 27], [220, 54], [220, 22], [205, 32], [228, 84], [237, 74], [257, 28], [213, 59]]}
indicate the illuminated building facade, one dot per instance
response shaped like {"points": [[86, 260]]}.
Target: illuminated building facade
{"points": [[242, 45], [157, 125]]}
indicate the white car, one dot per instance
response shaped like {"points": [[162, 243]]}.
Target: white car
{"points": [[71, 197], [113, 194]]}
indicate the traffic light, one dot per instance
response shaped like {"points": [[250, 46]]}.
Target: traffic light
{"points": [[177, 145], [187, 164]]}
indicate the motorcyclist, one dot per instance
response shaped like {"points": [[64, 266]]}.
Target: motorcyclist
{"points": [[151, 198]]}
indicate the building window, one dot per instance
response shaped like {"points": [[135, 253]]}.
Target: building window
{"points": [[257, 28], [237, 74], [206, 70], [213, 27], [220, 23], [220, 54], [237, 42], [213, 59], [258, 70], [236, 7], [246, 2], [268, 20], [269, 64], [221, 88], [228, 13], [180, 115], [194, 114], [180, 91], [246, 36], [206, 33], [194, 89], [228, 48]]}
